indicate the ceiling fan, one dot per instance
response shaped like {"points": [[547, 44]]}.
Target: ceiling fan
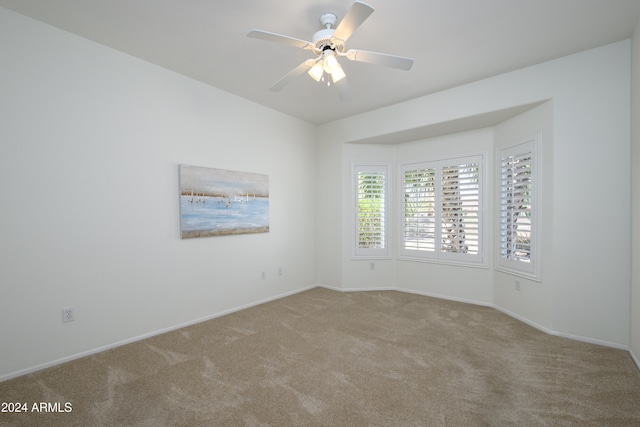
{"points": [[329, 44]]}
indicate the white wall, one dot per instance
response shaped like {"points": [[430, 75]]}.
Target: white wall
{"points": [[589, 274], [634, 339], [591, 201], [329, 211], [90, 142]]}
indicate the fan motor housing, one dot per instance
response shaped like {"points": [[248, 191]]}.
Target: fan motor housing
{"points": [[324, 38]]}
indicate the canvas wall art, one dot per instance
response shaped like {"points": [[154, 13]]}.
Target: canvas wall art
{"points": [[217, 202]]}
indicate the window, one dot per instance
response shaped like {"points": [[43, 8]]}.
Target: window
{"points": [[442, 210], [371, 182], [517, 210], [419, 214]]}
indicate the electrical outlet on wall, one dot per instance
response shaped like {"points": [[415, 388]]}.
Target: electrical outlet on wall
{"points": [[517, 285], [68, 315], [263, 275]]}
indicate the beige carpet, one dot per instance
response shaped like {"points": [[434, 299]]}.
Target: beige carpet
{"points": [[325, 358]]}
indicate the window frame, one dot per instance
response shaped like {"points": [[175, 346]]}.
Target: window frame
{"points": [[415, 254], [438, 255], [371, 253], [532, 268]]}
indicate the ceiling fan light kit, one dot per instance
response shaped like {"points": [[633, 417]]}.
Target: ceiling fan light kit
{"points": [[329, 44], [317, 71]]}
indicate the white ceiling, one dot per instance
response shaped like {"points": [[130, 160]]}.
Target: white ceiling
{"points": [[452, 41]]}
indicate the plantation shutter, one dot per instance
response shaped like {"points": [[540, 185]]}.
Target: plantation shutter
{"points": [[516, 207], [442, 210], [371, 210], [419, 208], [460, 232], [517, 210]]}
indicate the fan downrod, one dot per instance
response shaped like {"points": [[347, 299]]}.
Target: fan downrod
{"points": [[328, 20]]}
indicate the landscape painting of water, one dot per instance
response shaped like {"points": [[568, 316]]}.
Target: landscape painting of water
{"points": [[217, 202]]}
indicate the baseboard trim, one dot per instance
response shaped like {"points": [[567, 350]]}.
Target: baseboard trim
{"points": [[147, 335], [332, 288], [635, 359], [445, 297], [503, 310], [592, 341], [561, 334], [525, 320]]}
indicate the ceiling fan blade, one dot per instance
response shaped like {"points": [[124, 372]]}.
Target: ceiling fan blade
{"points": [[380, 59], [291, 75], [358, 13], [344, 91], [279, 38]]}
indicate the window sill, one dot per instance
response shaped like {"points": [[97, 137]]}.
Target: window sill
{"points": [[523, 274], [482, 265]]}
